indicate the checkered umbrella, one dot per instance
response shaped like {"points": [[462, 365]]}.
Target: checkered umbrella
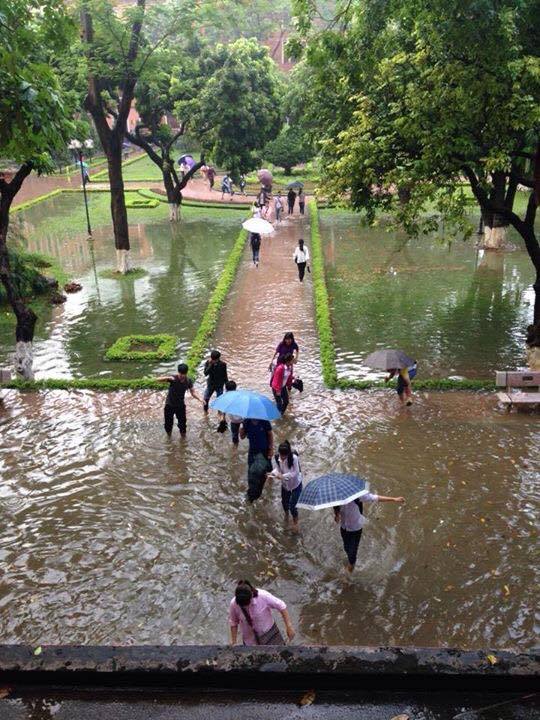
{"points": [[331, 490]]}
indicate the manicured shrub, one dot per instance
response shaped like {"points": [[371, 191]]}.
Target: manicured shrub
{"points": [[151, 348]]}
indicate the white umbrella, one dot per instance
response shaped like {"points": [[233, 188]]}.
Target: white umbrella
{"points": [[258, 225]]}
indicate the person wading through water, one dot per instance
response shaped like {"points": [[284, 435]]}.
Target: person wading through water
{"points": [[251, 608]]}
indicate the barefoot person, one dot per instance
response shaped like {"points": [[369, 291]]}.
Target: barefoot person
{"points": [[175, 404], [216, 372], [286, 467], [251, 609], [281, 381], [404, 381], [351, 520], [287, 345], [301, 258]]}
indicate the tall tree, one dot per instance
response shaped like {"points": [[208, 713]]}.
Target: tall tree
{"points": [[436, 93], [232, 99], [112, 47], [34, 120]]}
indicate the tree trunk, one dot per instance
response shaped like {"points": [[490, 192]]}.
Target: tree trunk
{"points": [[495, 229], [287, 169], [172, 195], [26, 317], [118, 208]]}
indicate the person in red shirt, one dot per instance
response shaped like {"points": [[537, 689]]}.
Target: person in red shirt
{"points": [[281, 382]]}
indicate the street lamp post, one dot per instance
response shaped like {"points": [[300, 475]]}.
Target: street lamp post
{"points": [[77, 146]]}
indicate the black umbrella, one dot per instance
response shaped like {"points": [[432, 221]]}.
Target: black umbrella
{"points": [[388, 360]]}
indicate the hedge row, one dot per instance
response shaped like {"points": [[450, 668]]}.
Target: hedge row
{"points": [[35, 201], [322, 305], [105, 173], [209, 320], [326, 335], [86, 384], [194, 203]]}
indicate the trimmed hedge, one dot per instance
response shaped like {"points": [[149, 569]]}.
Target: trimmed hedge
{"points": [[209, 320], [322, 305], [130, 161], [35, 201], [100, 384], [194, 203], [121, 350], [141, 203]]}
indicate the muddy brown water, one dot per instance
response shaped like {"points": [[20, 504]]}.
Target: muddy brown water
{"points": [[111, 533]]}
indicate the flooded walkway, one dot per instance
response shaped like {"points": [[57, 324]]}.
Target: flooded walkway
{"points": [[111, 533]]}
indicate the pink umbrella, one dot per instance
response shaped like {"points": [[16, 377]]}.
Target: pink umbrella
{"points": [[265, 176]]}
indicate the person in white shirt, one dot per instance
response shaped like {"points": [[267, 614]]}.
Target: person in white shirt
{"points": [[286, 467], [301, 258], [352, 521]]}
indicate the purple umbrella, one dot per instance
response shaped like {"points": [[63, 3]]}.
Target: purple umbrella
{"points": [[187, 160], [265, 176]]}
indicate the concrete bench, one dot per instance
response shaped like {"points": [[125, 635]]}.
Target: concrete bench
{"points": [[522, 387]]}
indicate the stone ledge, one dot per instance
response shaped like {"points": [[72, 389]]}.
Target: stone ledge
{"points": [[431, 668]]}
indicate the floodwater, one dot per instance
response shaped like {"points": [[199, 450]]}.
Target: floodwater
{"points": [[112, 533], [458, 310], [183, 263]]}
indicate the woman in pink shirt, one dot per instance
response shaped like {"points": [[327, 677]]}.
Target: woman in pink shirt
{"points": [[252, 610], [281, 381]]}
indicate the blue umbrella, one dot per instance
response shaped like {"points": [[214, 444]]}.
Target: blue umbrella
{"points": [[246, 404], [331, 490]]}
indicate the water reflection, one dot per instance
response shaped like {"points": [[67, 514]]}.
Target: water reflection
{"points": [[458, 311], [111, 533]]}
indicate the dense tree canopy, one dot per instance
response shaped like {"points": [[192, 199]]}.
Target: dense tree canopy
{"points": [[230, 95], [290, 148], [427, 95]]}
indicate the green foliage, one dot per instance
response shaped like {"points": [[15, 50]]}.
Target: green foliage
{"points": [[231, 95], [123, 349], [99, 384], [104, 174], [28, 272], [322, 305], [288, 149], [141, 203], [199, 346], [34, 117]]}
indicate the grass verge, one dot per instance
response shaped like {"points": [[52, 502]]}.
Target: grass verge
{"points": [[105, 173]]}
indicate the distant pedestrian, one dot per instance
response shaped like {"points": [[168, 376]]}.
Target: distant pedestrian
{"points": [[278, 204], [227, 186], [210, 176], [351, 519], [251, 609], [287, 345], [255, 242], [234, 420], [286, 467], [281, 381], [216, 372], [242, 184], [301, 201], [175, 404], [291, 199], [301, 258], [405, 377]]}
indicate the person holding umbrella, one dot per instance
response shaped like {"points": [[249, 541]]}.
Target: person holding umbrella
{"points": [[345, 495], [291, 199], [395, 362]]}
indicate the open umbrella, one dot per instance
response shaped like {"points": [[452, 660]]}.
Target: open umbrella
{"points": [[265, 176], [331, 490], [296, 185], [388, 360], [246, 404], [187, 160], [258, 225]]}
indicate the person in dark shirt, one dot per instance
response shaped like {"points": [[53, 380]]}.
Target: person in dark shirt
{"points": [[216, 372], [175, 404], [260, 437]]}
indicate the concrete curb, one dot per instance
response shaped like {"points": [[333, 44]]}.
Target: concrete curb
{"points": [[393, 668]]}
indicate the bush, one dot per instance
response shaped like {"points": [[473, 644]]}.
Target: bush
{"points": [[287, 150], [123, 349]]}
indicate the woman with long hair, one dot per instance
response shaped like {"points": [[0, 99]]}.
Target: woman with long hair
{"points": [[287, 345], [251, 609], [286, 467]]}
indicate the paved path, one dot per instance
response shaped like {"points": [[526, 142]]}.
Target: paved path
{"points": [[264, 304]]}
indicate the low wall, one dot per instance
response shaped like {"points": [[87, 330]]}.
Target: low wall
{"points": [[428, 669]]}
